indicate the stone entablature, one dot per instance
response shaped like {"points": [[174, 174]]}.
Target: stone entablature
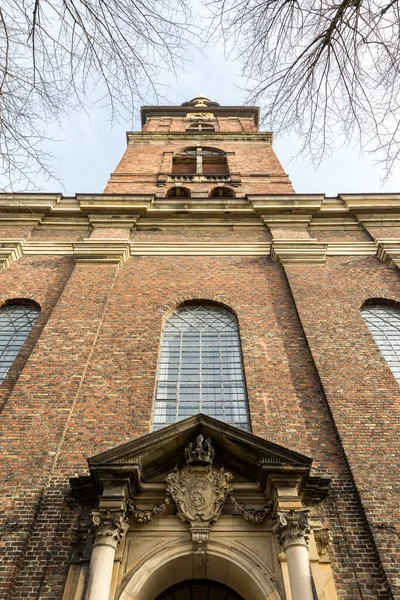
{"points": [[291, 219]]}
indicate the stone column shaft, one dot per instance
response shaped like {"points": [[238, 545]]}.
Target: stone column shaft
{"points": [[292, 528], [110, 527]]}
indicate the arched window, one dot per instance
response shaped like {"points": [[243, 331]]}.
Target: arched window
{"points": [[383, 321], [201, 367], [16, 321], [222, 192], [200, 161], [178, 192]]}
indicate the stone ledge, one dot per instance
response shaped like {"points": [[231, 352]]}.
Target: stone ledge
{"points": [[101, 251], [10, 251], [389, 252], [298, 251]]}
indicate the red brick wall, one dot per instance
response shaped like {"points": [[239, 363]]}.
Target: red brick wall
{"points": [[143, 160], [35, 421], [38, 278], [362, 394], [89, 383]]}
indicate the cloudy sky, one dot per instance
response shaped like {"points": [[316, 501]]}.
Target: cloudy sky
{"points": [[89, 148]]}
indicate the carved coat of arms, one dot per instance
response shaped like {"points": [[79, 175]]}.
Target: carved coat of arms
{"points": [[199, 490]]}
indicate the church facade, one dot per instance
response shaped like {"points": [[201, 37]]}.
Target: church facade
{"points": [[200, 376]]}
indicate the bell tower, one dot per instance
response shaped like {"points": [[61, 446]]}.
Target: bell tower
{"points": [[199, 149]]}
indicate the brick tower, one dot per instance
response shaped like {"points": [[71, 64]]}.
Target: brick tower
{"points": [[199, 378]]}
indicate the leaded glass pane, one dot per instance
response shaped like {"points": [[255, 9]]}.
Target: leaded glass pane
{"points": [[201, 368], [384, 324], [16, 321]]}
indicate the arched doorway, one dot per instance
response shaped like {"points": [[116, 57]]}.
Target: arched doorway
{"points": [[243, 573], [199, 589]]}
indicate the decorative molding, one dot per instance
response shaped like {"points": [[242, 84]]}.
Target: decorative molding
{"points": [[118, 250], [298, 251], [200, 249], [323, 539], [198, 178], [118, 221], [145, 515], [109, 527], [114, 251], [10, 251], [389, 251], [286, 201], [292, 528], [256, 517], [286, 221], [351, 249], [371, 201]]}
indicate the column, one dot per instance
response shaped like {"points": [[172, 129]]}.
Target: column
{"points": [[293, 529], [110, 527]]}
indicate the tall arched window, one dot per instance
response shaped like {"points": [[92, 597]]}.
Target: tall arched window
{"points": [[384, 324], [16, 321], [201, 367]]}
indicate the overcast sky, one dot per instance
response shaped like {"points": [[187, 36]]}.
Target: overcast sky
{"points": [[90, 149]]}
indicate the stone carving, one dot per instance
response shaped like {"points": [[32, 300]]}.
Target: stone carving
{"points": [[323, 539], [199, 491], [292, 527], [145, 515], [199, 539], [200, 115], [200, 451], [109, 527], [251, 514]]}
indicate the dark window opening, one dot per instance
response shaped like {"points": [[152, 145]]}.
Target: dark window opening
{"points": [[178, 192], [222, 192]]}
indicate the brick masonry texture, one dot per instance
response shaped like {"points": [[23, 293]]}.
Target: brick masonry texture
{"points": [[84, 381], [141, 162], [363, 396], [101, 394]]}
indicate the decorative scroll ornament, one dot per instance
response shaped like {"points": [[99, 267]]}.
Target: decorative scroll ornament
{"points": [[251, 514], [145, 515], [109, 527], [323, 539], [199, 491], [292, 527]]}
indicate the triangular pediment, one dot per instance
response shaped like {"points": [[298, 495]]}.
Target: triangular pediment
{"points": [[159, 452], [151, 457]]}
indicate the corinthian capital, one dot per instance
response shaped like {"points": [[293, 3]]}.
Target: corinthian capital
{"points": [[109, 527], [292, 527]]}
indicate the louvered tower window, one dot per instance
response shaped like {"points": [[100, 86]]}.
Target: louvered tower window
{"points": [[201, 368], [16, 321], [384, 324]]}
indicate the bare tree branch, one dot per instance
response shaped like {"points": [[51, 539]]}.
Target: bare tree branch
{"points": [[323, 69], [54, 53]]}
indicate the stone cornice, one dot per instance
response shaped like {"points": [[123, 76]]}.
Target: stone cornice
{"points": [[298, 251], [316, 209], [136, 137], [389, 251], [103, 251], [118, 251]]}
